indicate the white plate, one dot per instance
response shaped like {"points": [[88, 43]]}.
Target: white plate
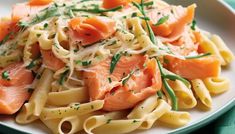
{"points": [[212, 15]]}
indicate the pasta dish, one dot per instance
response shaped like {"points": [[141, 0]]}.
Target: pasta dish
{"points": [[107, 66]]}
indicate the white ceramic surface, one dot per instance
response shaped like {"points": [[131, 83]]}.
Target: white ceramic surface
{"points": [[212, 15]]}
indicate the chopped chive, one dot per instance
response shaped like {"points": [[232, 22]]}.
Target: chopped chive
{"points": [[193, 26], [140, 7], [134, 14], [108, 121], [38, 35], [86, 63], [5, 75], [33, 63], [63, 76], [169, 90], [83, 63], [176, 77], [172, 95], [114, 61], [23, 24], [97, 10], [162, 20], [160, 94], [124, 81], [46, 14], [110, 80], [148, 3], [135, 121], [92, 107], [197, 56], [45, 25], [144, 18], [76, 106]]}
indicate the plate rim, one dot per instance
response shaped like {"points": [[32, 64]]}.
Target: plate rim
{"points": [[4, 128]]}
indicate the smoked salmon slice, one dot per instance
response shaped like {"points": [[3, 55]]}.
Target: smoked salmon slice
{"points": [[144, 82], [15, 75], [13, 87], [108, 4], [51, 61], [24, 10], [39, 2], [174, 25], [12, 98], [140, 86], [91, 30], [6, 27], [198, 68]]}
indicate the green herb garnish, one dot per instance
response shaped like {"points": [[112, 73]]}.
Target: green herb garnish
{"points": [[114, 61], [5, 75], [76, 106], [63, 76], [197, 56], [135, 121], [124, 80], [193, 26], [134, 14], [46, 13], [45, 25], [160, 94], [144, 18], [83, 63], [38, 35], [110, 80], [33, 63], [108, 121], [177, 77], [162, 20], [6, 38], [169, 90], [140, 7], [97, 10], [148, 3]]}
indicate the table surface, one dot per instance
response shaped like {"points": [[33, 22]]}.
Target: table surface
{"points": [[226, 123]]}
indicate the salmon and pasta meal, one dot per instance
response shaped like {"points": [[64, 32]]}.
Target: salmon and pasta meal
{"points": [[107, 66]]}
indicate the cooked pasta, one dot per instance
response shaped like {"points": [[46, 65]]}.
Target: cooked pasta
{"points": [[107, 67], [217, 85], [202, 92]]}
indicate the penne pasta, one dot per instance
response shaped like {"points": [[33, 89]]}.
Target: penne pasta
{"points": [[107, 67], [217, 85], [37, 101], [223, 49], [159, 111], [202, 92], [72, 110], [175, 118], [144, 108], [70, 96], [208, 46], [185, 95]]}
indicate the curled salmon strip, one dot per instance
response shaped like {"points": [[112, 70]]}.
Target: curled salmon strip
{"points": [[172, 28], [199, 68], [91, 30], [144, 80], [13, 87]]}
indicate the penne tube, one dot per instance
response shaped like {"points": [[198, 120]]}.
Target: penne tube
{"points": [[202, 92]]}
